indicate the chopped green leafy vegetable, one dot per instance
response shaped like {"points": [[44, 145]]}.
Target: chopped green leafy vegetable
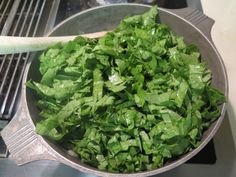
{"points": [[128, 101]]}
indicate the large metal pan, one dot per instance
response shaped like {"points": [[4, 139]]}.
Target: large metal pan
{"points": [[20, 137]]}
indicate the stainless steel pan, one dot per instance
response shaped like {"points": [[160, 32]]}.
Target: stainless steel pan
{"points": [[20, 137]]}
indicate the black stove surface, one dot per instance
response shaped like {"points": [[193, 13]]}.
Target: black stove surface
{"points": [[68, 8]]}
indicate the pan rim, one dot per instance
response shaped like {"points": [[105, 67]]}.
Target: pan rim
{"points": [[182, 158]]}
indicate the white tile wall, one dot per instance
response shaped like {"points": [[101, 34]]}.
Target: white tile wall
{"points": [[224, 37]]}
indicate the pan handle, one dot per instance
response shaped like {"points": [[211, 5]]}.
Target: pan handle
{"points": [[25, 145], [196, 18], [22, 141]]}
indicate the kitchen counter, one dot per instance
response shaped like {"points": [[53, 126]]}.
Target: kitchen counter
{"points": [[224, 36]]}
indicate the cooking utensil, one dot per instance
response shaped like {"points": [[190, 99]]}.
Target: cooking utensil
{"points": [[10, 44], [20, 136]]}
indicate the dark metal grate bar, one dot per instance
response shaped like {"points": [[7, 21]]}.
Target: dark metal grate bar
{"points": [[5, 58], [3, 148], [20, 56], [5, 8], [10, 18], [27, 55], [51, 17], [1, 4], [20, 18], [23, 15], [11, 58]]}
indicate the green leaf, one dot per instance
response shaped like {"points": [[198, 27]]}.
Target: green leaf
{"points": [[48, 77], [146, 142], [97, 84], [181, 93]]}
